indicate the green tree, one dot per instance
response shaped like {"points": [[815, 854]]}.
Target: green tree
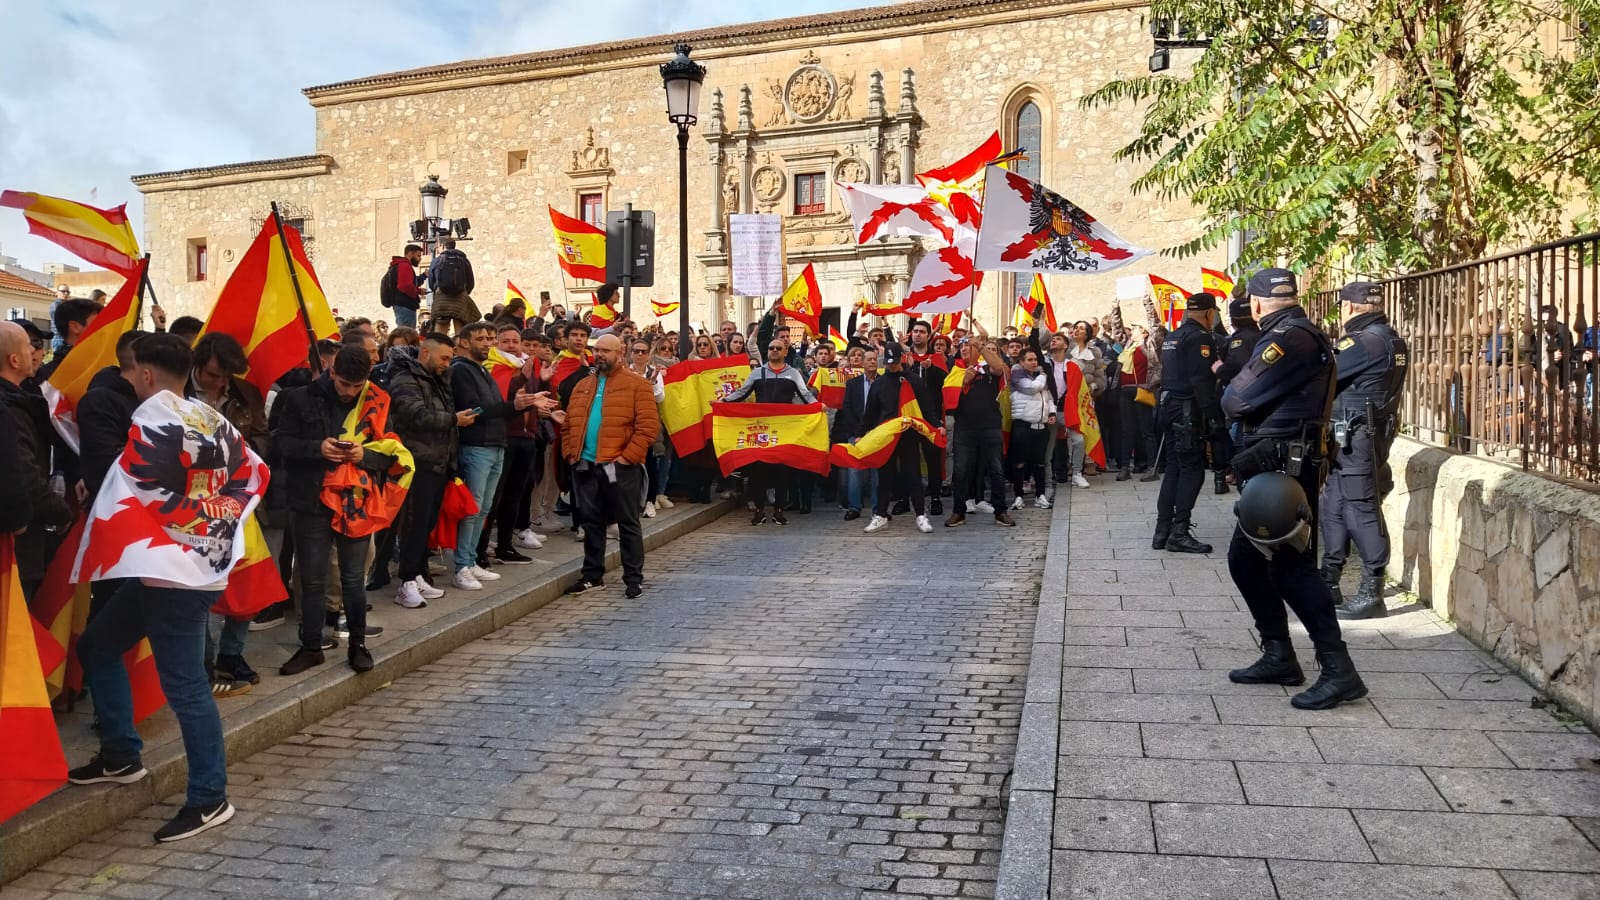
{"points": [[1374, 135]]}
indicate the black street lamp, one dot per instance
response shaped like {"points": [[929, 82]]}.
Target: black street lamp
{"points": [[433, 226], [682, 78]]}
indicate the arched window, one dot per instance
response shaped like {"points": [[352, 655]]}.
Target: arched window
{"points": [[1030, 136]]}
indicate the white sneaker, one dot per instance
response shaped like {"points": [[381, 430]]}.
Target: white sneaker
{"points": [[649, 509], [1079, 481], [985, 507], [528, 540], [923, 525], [408, 596], [662, 502], [972, 507], [878, 523], [465, 581], [1042, 502], [483, 574], [428, 591], [1017, 503]]}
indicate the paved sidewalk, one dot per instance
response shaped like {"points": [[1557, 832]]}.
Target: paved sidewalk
{"points": [[801, 712], [1168, 781]]}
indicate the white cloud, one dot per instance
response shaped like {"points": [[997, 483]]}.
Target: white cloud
{"points": [[98, 91]]}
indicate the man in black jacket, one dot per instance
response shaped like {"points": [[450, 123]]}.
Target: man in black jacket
{"points": [[400, 288], [930, 371], [310, 444], [428, 423], [451, 280], [848, 428], [898, 476], [31, 421], [103, 415]]}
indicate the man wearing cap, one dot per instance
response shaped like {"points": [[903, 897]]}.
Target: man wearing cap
{"points": [[900, 474], [1236, 351], [1372, 361], [1282, 398], [1187, 416]]}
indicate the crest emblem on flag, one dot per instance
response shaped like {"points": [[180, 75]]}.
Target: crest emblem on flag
{"points": [[1029, 228]]}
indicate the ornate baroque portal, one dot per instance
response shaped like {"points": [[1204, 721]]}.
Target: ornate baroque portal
{"points": [[792, 138]]}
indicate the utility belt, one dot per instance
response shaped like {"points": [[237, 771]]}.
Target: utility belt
{"points": [[1185, 423], [1306, 452], [1367, 419]]}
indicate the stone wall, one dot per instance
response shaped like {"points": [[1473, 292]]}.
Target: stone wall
{"points": [[1512, 558], [970, 71]]}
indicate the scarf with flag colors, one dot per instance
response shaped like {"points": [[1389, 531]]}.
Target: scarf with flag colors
{"points": [[103, 237], [500, 368], [32, 764], [580, 247], [1028, 228], [603, 315], [172, 505], [365, 502], [663, 309], [514, 293], [782, 434], [828, 384], [688, 390], [1171, 300], [840, 345], [96, 349], [1215, 283], [1077, 413], [258, 306], [802, 301], [874, 448]]}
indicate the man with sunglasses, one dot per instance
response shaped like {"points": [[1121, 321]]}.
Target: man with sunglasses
{"points": [[774, 382]]}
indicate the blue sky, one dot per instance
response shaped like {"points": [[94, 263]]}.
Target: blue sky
{"points": [[97, 91]]}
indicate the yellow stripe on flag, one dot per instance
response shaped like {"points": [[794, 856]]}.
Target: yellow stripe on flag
{"points": [[580, 247], [101, 236], [96, 349], [783, 434], [688, 390], [32, 764]]}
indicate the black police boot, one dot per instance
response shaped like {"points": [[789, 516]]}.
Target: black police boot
{"points": [[1221, 479], [1330, 577], [1368, 601], [1163, 531], [1277, 665], [1337, 684], [1181, 541], [1125, 473], [1152, 475]]}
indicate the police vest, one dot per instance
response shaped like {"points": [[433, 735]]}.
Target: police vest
{"points": [[1380, 382], [1312, 401]]}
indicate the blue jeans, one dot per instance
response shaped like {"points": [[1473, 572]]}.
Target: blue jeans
{"points": [[232, 642], [857, 480], [480, 469], [405, 318], [175, 622]]}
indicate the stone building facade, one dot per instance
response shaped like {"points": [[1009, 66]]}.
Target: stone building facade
{"points": [[789, 106]]}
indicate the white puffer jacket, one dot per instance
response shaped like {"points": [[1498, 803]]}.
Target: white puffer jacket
{"points": [[1029, 399]]}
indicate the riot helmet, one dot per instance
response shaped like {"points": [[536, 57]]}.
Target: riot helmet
{"points": [[1273, 513]]}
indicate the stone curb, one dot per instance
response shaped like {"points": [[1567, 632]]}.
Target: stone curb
{"points": [[1030, 817], [70, 816]]}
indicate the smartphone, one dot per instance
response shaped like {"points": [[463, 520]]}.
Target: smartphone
{"points": [[344, 445], [544, 296], [476, 410]]}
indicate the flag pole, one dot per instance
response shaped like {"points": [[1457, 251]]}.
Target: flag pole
{"points": [[294, 279], [144, 285]]}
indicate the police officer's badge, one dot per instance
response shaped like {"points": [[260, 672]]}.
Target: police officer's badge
{"points": [[1346, 344], [1271, 354], [1205, 350]]}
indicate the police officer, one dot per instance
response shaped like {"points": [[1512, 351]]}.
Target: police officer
{"points": [[1372, 362], [1188, 416], [1235, 353], [1283, 398]]}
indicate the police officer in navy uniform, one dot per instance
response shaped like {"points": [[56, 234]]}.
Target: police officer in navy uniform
{"points": [[1236, 351], [1188, 416], [1372, 370], [1283, 398]]}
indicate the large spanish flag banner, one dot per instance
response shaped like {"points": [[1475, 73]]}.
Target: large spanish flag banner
{"points": [[783, 434], [1077, 413], [96, 349], [688, 390], [103, 237], [259, 308], [873, 449], [802, 301], [1215, 283], [580, 247], [1171, 300], [31, 761], [828, 384]]}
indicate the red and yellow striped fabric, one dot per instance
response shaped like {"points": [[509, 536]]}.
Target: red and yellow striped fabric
{"points": [[32, 764], [783, 434], [689, 389], [828, 385], [103, 237], [96, 349]]}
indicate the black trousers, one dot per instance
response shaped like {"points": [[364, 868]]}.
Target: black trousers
{"points": [[901, 476], [1108, 409], [315, 543], [1289, 578], [1028, 446], [1138, 430], [1349, 513], [761, 477], [516, 487], [601, 502], [421, 513], [978, 453]]}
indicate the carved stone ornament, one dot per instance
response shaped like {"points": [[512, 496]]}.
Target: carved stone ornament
{"points": [[810, 93], [590, 158], [780, 112], [851, 171], [891, 168], [767, 184]]}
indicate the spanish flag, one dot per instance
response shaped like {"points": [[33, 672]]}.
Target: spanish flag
{"points": [[783, 434], [802, 301], [1171, 300], [662, 310], [32, 764], [828, 384], [259, 308], [873, 449], [96, 349], [1041, 301], [946, 323], [102, 237], [689, 389], [967, 167], [604, 315], [1077, 413], [255, 583], [501, 368], [837, 340], [1215, 283], [580, 247], [514, 293]]}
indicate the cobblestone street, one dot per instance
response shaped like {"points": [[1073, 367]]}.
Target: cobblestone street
{"points": [[786, 713]]}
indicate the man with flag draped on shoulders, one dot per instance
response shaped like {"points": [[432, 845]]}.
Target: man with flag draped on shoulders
{"points": [[168, 521], [893, 395]]}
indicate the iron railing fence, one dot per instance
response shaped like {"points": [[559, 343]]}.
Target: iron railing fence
{"points": [[1503, 355]]}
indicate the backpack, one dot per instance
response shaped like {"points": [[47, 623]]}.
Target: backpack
{"points": [[385, 287], [452, 274]]}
